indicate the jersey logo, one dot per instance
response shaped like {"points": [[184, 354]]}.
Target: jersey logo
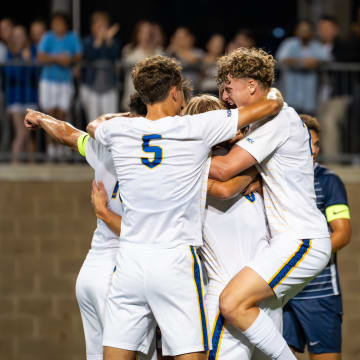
{"points": [[313, 343], [228, 113], [156, 150], [251, 197], [251, 141]]}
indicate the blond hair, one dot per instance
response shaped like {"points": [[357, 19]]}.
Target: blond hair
{"points": [[251, 63], [311, 122], [203, 103]]}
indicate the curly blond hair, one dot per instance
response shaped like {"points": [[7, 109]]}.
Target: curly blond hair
{"points": [[154, 76], [247, 63]]}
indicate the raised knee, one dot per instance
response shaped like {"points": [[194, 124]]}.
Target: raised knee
{"points": [[230, 307]]}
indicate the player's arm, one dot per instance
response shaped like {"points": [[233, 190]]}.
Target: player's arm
{"points": [[93, 125], [236, 185], [60, 131], [236, 161], [99, 201], [338, 217], [269, 105]]}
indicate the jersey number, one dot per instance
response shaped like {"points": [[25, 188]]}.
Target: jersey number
{"points": [[156, 150]]}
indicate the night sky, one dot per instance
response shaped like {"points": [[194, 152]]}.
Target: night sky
{"points": [[204, 17]]}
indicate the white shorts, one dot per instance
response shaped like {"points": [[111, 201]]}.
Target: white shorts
{"points": [[162, 286], [92, 287], [228, 343], [288, 265], [55, 95]]}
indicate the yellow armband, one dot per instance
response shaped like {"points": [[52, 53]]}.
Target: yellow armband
{"points": [[81, 143], [340, 211]]}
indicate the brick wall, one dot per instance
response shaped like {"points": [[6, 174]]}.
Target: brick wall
{"points": [[45, 232]]}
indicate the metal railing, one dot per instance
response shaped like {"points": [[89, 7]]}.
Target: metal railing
{"points": [[338, 88]]}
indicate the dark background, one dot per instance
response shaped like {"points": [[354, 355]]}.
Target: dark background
{"points": [[203, 17]]}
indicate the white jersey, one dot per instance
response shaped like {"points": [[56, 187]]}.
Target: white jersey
{"points": [[159, 165], [234, 230], [282, 148], [99, 158]]}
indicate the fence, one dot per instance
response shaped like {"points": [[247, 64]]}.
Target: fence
{"points": [[337, 103]]}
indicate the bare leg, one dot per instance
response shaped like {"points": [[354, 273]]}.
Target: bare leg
{"points": [[191, 356], [111, 353], [329, 356], [239, 298], [21, 135]]}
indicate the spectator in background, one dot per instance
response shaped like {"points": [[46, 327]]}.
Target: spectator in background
{"points": [[243, 38], [182, 47], [333, 96], [143, 44], [58, 50], [215, 48], [20, 87], [99, 93], [300, 55], [6, 27], [37, 31], [158, 36]]}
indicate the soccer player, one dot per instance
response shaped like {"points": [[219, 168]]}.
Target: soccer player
{"points": [[321, 331], [234, 230], [300, 245], [95, 275], [159, 162]]}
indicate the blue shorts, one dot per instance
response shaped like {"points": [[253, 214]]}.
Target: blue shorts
{"points": [[315, 323]]}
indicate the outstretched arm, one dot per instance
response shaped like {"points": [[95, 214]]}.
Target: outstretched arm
{"points": [[61, 131], [263, 108], [230, 188], [102, 212]]}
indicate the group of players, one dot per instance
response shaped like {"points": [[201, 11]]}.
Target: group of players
{"points": [[175, 179]]}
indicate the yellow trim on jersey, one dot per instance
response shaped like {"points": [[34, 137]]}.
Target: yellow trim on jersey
{"points": [[339, 211], [81, 143]]}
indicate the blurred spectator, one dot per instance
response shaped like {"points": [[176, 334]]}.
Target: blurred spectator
{"points": [[158, 36], [243, 38], [20, 86], [215, 48], [6, 27], [333, 98], [182, 47], [300, 55], [141, 46], [99, 93], [58, 50], [37, 31]]}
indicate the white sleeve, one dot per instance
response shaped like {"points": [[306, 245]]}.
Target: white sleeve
{"points": [[102, 133], [216, 126], [264, 140], [93, 151]]}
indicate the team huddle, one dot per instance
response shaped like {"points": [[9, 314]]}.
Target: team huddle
{"points": [[207, 223]]}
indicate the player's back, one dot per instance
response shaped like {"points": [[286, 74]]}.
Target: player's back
{"points": [[159, 166]]}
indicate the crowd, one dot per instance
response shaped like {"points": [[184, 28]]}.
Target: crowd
{"points": [[45, 68]]}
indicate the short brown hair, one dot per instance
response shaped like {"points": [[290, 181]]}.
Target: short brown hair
{"points": [[154, 76], [203, 103], [187, 89], [247, 63], [100, 16], [311, 122]]}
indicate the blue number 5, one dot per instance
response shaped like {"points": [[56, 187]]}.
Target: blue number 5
{"points": [[157, 150]]}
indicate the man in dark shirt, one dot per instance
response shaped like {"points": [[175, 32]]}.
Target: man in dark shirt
{"points": [[313, 317], [99, 93]]}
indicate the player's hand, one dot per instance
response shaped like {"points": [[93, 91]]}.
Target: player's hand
{"points": [[255, 186], [32, 118], [99, 199]]}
